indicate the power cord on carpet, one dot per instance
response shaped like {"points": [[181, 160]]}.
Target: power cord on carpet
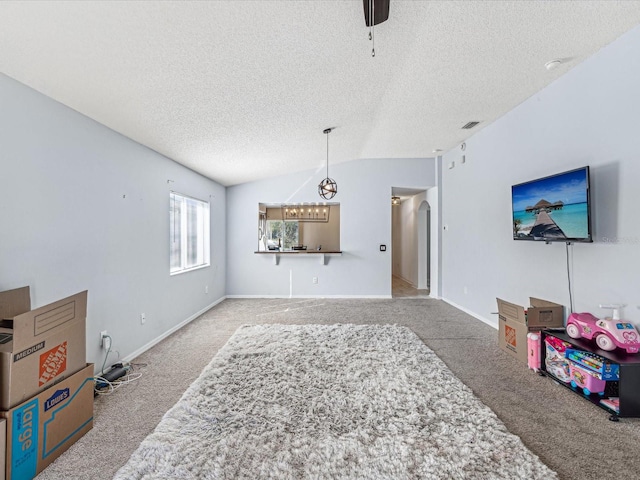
{"points": [[102, 383], [108, 382]]}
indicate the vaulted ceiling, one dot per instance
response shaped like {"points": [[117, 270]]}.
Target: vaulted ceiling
{"points": [[242, 90]]}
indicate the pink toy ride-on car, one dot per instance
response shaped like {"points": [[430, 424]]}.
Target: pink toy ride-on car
{"points": [[608, 333]]}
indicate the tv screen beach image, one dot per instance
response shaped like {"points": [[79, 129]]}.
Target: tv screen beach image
{"points": [[552, 208]]}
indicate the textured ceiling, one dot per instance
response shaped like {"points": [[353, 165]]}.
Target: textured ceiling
{"points": [[242, 90]]}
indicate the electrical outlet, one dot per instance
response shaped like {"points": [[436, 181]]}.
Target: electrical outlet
{"points": [[315, 279], [105, 340], [143, 318], [206, 289]]}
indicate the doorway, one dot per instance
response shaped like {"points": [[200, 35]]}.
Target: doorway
{"points": [[410, 244]]}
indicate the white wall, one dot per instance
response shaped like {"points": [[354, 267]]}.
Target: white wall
{"points": [[423, 243], [84, 208], [587, 117], [396, 241], [364, 193], [434, 199]]}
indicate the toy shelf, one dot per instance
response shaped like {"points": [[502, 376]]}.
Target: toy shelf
{"points": [[626, 388]]}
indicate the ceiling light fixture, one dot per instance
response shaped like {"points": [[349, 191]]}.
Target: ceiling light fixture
{"points": [[307, 212], [553, 64], [371, 18], [395, 201], [328, 187]]}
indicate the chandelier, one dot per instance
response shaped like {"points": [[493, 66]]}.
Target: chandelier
{"points": [[328, 187], [306, 212]]}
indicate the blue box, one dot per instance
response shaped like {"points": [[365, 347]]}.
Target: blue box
{"points": [[605, 369]]}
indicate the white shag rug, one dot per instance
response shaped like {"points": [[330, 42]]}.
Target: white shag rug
{"points": [[330, 402]]}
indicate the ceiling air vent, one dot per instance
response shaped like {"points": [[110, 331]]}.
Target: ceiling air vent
{"points": [[470, 125]]}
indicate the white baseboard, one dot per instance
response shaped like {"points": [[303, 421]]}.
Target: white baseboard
{"points": [[473, 314], [157, 340]]}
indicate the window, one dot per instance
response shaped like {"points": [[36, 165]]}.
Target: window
{"points": [[188, 233], [282, 235]]}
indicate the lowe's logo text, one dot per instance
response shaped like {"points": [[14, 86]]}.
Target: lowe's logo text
{"points": [[59, 396]]}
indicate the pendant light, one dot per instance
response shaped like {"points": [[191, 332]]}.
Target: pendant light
{"points": [[328, 187]]}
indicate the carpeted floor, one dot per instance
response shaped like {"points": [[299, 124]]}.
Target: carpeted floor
{"points": [[569, 434]]}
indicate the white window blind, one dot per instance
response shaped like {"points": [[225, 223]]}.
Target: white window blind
{"points": [[189, 245]]}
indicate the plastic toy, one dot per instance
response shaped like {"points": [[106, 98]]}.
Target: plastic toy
{"points": [[609, 333], [612, 402], [595, 363], [554, 360], [588, 381], [533, 348]]}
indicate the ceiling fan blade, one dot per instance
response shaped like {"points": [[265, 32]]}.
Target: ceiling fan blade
{"points": [[381, 9]]}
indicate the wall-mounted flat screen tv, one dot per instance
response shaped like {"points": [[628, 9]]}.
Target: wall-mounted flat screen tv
{"points": [[553, 209]]}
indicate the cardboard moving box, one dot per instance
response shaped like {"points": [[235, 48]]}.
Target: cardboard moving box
{"points": [[43, 427], [3, 446], [515, 323], [39, 347]]}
